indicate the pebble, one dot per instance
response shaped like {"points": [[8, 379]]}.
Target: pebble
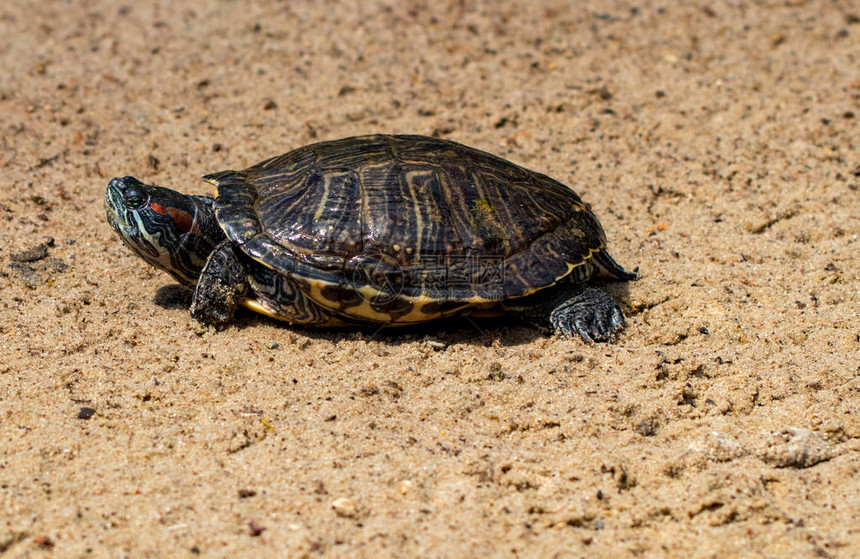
{"points": [[344, 507], [797, 447], [436, 344]]}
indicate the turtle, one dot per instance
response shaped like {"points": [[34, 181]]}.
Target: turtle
{"points": [[383, 230]]}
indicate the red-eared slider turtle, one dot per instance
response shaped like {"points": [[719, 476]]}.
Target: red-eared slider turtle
{"points": [[384, 230]]}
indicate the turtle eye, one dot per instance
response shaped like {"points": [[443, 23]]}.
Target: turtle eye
{"points": [[134, 197]]}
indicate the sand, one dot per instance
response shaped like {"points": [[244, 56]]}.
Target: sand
{"points": [[718, 143]]}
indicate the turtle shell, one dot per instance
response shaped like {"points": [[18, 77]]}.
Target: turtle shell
{"points": [[406, 228]]}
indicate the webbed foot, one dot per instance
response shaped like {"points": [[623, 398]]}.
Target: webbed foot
{"points": [[591, 313]]}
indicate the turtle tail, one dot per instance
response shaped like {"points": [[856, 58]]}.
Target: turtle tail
{"points": [[612, 269]]}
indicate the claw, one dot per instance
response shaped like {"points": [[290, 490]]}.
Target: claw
{"points": [[617, 319], [601, 325], [582, 328]]}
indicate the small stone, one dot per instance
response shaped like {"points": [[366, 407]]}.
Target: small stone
{"points": [[436, 345], [648, 427], [345, 507], [718, 447], [86, 413], [796, 447], [44, 541], [34, 254], [256, 528]]}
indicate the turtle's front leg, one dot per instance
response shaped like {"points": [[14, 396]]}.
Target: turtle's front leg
{"points": [[221, 286], [588, 312]]}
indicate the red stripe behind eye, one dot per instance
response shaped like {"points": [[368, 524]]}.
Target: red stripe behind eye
{"points": [[181, 218]]}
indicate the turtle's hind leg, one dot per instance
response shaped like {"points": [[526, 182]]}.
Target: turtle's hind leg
{"points": [[588, 312]]}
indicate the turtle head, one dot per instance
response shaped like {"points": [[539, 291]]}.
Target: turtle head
{"points": [[172, 231]]}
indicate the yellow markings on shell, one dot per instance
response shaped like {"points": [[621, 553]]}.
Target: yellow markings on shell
{"points": [[365, 311], [482, 211], [416, 206], [570, 269], [256, 306], [481, 216], [213, 182], [321, 207], [417, 315]]}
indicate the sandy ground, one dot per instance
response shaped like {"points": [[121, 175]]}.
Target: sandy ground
{"points": [[720, 146]]}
